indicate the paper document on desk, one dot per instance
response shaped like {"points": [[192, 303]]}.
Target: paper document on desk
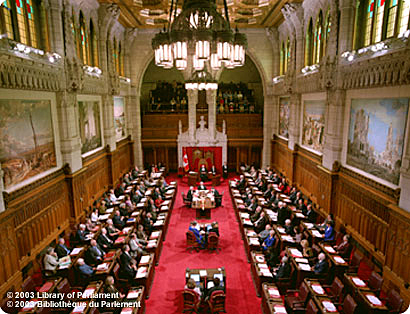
{"points": [[145, 259], [202, 273], [305, 267], [373, 300]]}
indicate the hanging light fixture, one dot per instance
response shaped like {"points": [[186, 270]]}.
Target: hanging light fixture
{"points": [[199, 36]]}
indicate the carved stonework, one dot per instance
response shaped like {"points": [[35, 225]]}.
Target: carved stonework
{"points": [[74, 74]]}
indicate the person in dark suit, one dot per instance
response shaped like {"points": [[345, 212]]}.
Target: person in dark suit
{"points": [[283, 271], [118, 220], [217, 196], [96, 252], [217, 287], [283, 213], [201, 186], [289, 228], [241, 183], [104, 241], [310, 214], [190, 193], [127, 263], [344, 249], [61, 249], [322, 265], [260, 223], [225, 171], [213, 170], [203, 173], [214, 228], [199, 238], [81, 234]]}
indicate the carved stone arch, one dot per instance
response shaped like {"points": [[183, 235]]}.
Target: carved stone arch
{"points": [[143, 68]]}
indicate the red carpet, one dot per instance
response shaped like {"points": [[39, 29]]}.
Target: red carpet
{"points": [[169, 281]]}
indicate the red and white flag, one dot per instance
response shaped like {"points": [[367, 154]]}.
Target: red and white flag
{"points": [[185, 161]]}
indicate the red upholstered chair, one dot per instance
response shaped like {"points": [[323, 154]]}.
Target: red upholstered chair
{"points": [[394, 301], [349, 305], [29, 285], [375, 282], [355, 262], [297, 301], [123, 284], [213, 242], [191, 242], [335, 290], [216, 302], [65, 288], [311, 307], [191, 301], [286, 283]]}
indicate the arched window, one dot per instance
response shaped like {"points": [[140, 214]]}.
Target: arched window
{"points": [[287, 56], [93, 46], [309, 44], [120, 60], [282, 58], [6, 20], [83, 40], [317, 43], [115, 55], [377, 20], [328, 25]]}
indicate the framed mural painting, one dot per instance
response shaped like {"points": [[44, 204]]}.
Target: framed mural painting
{"points": [[313, 125], [284, 112], [119, 118], [376, 136], [90, 125], [28, 143]]}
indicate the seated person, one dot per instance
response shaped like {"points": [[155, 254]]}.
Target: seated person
{"points": [[96, 253], [283, 271], [265, 233], [81, 235], [191, 285], [202, 186], [269, 241], [216, 287], [91, 227], [61, 249], [84, 269], [344, 248], [136, 248], [323, 225], [127, 263], [203, 173], [94, 216], [306, 250], [289, 228], [214, 228], [118, 221], [50, 262], [110, 289], [329, 232], [322, 265], [310, 214], [198, 236], [241, 183], [141, 235], [112, 232], [260, 223], [104, 241], [257, 214]]}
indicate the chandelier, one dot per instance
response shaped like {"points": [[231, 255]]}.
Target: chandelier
{"points": [[199, 35]]}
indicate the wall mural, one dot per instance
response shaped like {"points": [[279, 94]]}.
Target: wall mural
{"points": [[284, 111], [90, 125], [376, 136], [119, 118], [313, 128], [26, 139]]}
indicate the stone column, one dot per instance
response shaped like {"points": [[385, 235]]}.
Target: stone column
{"points": [[134, 125], [70, 141], [56, 32], [211, 101], [300, 52], [2, 205], [108, 121], [192, 101], [270, 126], [333, 142], [347, 13], [404, 201], [294, 120]]}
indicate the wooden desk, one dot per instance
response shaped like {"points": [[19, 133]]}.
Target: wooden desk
{"points": [[353, 284], [271, 299], [315, 287], [136, 294], [370, 303], [260, 271], [50, 285], [155, 245], [216, 179], [324, 304], [339, 264], [284, 239], [192, 178], [302, 268], [206, 275], [145, 273]]}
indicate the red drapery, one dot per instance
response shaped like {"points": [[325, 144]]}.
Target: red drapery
{"points": [[207, 155]]}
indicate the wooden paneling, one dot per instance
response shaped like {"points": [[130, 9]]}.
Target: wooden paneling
{"points": [[282, 157], [38, 213]]}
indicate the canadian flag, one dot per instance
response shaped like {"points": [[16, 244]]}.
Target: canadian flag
{"points": [[185, 161]]}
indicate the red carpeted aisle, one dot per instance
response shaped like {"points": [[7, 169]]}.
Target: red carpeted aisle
{"points": [[166, 293]]}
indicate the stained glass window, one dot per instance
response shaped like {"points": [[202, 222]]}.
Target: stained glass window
{"points": [[83, 40], [309, 44], [281, 59], [379, 21], [287, 56], [391, 18], [21, 21], [6, 21], [317, 49], [120, 60], [404, 22], [31, 23], [94, 45], [369, 23], [327, 28], [115, 55]]}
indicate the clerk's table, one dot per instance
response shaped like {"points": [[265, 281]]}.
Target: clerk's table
{"points": [[203, 201]]}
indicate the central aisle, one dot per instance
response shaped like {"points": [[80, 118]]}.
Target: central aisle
{"points": [[169, 281]]}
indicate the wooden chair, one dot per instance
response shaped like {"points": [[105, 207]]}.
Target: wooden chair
{"points": [[311, 307], [123, 284], [216, 302], [284, 284], [335, 290], [349, 305], [375, 282], [191, 301], [186, 201], [213, 242], [297, 302], [394, 301], [191, 242], [29, 285], [355, 262]]}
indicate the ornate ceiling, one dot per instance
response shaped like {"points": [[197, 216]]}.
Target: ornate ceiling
{"points": [[242, 13]]}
